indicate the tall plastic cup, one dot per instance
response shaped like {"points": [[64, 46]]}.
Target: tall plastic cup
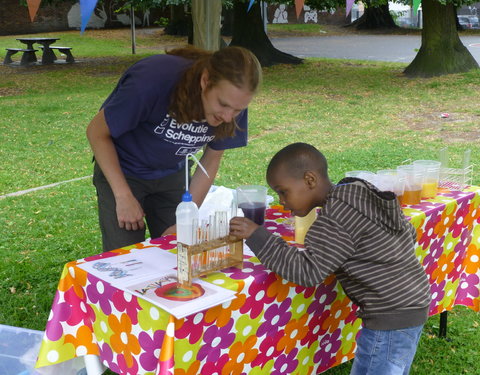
{"points": [[302, 224], [413, 178], [390, 180], [252, 200], [431, 170]]}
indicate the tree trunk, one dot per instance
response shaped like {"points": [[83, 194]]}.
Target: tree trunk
{"points": [[249, 32], [227, 24], [457, 23], [375, 18], [442, 51], [180, 22], [206, 24]]}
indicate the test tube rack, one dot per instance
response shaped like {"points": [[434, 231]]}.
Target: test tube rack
{"points": [[208, 257], [455, 178]]}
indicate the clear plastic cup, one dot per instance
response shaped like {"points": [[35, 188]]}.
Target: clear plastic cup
{"points": [[302, 224], [390, 180], [364, 175], [413, 178], [252, 200], [386, 179], [431, 170]]}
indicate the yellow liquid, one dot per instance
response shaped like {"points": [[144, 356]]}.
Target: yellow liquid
{"points": [[411, 197], [429, 189], [302, 224]]}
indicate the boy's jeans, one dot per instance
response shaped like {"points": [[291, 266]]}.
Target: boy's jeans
{"points": [[385, 352]]}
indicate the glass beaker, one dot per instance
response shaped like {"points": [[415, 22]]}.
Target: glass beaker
{"points": [[252, 200]]}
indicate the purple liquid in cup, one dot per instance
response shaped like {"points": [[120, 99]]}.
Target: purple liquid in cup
{"points": [[254, 211]]}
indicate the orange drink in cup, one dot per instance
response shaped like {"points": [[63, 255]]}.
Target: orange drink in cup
{"points": [[431, 170], [302, 224], [413, 178]]}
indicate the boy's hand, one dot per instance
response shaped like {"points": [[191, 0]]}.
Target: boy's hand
{"points": [[242, 227]]}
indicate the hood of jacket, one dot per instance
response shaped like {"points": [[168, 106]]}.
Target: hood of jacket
{"points": [[380, 207]]}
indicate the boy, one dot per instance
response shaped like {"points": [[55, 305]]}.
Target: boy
{"points": [[360, 235]]}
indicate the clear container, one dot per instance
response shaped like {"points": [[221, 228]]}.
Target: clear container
{"points": [[386, 179], [364, 175], [431, 177], [413, 178], [390, 180], [302, 224], [187, 220], [252, 200]]}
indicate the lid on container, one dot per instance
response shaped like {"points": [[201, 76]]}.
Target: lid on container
{"points": [[187, 197]]}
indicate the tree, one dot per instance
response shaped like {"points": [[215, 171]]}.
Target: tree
{"points": [[180, 22], [375, 17], [249, 32], [442, 51]]}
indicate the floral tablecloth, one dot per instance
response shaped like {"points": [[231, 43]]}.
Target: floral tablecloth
{"points": [[272, 326]]}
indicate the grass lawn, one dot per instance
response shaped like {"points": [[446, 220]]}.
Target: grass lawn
{"points": [[361, 114]]}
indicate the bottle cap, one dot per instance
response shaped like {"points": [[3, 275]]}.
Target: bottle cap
{"points": [[187, 197]]}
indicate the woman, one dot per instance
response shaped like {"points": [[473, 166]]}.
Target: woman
{"points": [[163, 108]]}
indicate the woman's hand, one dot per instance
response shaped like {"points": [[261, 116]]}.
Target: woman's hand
{"points": [[130, 213], [241, 227]]}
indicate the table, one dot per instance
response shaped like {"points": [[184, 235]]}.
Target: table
{"points": [[48, 56], [273, 326]]}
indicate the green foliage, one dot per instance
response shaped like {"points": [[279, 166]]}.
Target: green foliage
{"points": [[162, 22]]}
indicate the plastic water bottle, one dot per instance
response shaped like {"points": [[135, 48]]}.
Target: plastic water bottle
{"points": [[187, 216]]}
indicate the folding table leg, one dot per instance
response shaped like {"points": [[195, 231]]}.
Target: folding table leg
{"points": [[442, 331]]}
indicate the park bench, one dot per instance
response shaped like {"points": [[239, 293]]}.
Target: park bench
{"points": [[65, 50], [28, 56]]}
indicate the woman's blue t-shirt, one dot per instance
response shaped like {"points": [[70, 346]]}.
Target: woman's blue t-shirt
{"points": [[151, 144]]}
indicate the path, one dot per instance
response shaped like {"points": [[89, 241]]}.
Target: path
{"points": [[394, 48]]}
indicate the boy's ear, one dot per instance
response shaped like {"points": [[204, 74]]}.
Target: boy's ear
{"points": [[311, 179]]}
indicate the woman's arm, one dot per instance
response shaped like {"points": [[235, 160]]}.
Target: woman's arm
{"points": [[129, 212]]}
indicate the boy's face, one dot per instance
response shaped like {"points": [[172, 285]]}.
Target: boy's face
{"points": [[299, 195]]}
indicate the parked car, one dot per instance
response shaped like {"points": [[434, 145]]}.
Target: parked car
{"points": [[465, 22], [474, 21]]}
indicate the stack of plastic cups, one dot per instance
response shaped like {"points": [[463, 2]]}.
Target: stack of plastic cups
{"points": [[413, 177], [431, 170]]}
